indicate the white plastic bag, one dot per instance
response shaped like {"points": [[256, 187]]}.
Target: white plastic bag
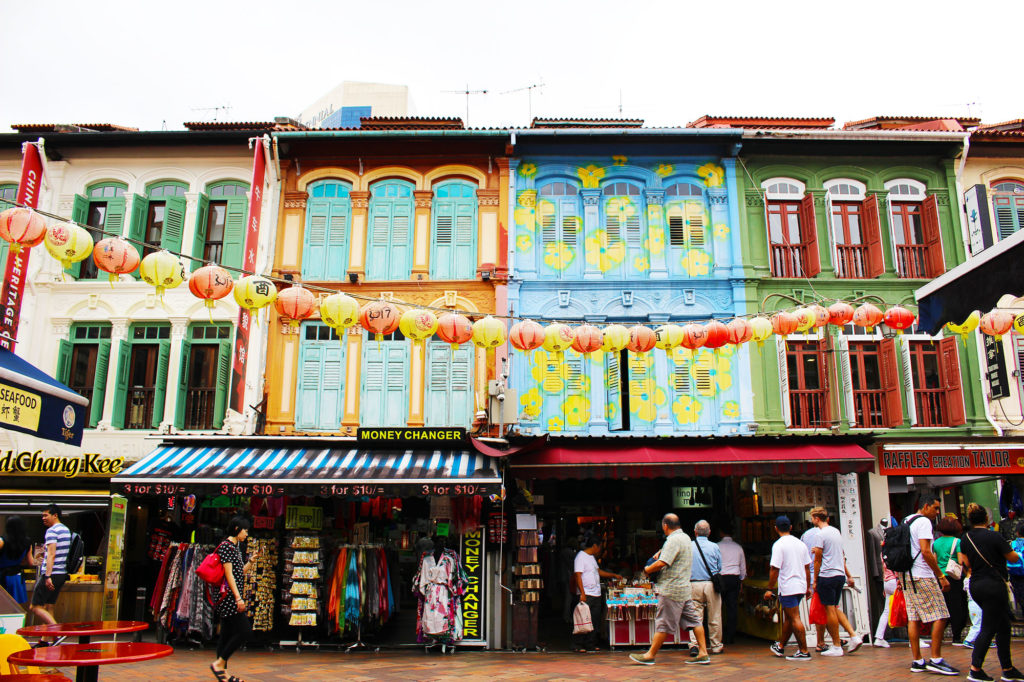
{"points": [[581, 622]]}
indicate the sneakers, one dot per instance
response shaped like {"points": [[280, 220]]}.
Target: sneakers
{"points": [[916, 667], [832, 651], [694, 650], [968, 644], [855, 643], [639, 658], [1012, 675], [880, 643], [799, 656], [700, 660], [778, 650], [978, 676], [940, 667]]}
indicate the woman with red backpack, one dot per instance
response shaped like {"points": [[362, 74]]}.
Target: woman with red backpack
{"points": [[229, 604]]}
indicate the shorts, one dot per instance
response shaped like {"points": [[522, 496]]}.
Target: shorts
{"points": [[43, 595], [830, 589], [789, 601], [671, 614], [925, 602]]}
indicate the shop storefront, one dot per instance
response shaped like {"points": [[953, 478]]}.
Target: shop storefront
{"points": [[343, 528], [621, 493]]}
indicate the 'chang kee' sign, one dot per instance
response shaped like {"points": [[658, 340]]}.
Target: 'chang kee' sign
{"points": [[28, 463]]}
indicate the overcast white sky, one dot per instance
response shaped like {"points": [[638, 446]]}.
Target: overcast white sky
{"points": [[152, 64]]}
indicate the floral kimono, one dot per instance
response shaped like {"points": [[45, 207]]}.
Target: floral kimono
{"points": [[439, 586]]}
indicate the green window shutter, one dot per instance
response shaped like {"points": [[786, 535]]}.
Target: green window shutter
{"points": [[99, 383], [124, 357], [79, 214], [199, 240], [160, 392], [307, 396], [64, 349], [182, 393], [137, 226], [443, 239], [234, 234], [174, 224], [464, 266], [113, 223], [314, 254], [331, 398], [378, 245], [439, 356], [220, 400]]}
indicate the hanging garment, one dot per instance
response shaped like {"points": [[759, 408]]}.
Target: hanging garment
{"points": [[352, 592], [439, 584], [200, 618]]}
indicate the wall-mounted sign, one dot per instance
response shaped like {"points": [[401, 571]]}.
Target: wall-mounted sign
{"points": [[306, 518], [995, 368], [411, 437], [471, 556], [963, 460], [28, 463], [691, 496]]}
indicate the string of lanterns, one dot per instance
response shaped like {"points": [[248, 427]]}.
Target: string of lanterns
{"points": [[70, 243]]}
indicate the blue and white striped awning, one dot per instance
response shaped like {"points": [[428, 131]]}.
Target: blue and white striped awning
{"points": [[330, 472]]}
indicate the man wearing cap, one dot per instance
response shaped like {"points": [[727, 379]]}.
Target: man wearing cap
{"points": [[791, 571]]}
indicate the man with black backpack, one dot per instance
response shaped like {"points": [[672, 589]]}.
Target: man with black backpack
{"points": [[908, 551]]}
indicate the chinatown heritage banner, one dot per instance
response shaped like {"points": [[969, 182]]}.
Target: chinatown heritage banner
{"points": [[240, 358], [17, 263]]}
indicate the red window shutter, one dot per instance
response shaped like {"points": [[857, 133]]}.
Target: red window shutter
{"points": [[872, 233], [809, 233], [888, 364], [934, 260], [949, 365]]}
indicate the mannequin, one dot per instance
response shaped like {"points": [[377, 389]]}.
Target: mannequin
{"points": [[439, 583]]}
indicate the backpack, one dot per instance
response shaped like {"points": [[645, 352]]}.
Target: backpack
{"points": [[76, 553], [897, 553], [1017, 569]]}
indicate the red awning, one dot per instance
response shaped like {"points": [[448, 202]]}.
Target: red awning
{"points": [[707, 459]]}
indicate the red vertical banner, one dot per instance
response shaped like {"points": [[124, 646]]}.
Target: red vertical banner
{"points": [[252, 236], [17, 263]]}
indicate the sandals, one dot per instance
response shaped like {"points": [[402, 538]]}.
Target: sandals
{"points": [[221, 675], [235, 679]]}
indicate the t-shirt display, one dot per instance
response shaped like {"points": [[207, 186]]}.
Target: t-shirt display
{"points": [[790, 556]]}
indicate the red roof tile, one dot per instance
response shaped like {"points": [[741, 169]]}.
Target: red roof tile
{"points": [[70, 128], [587, 123], [277, 124], [911, 123], [709, 121], [1005, 126], [410, 123]]}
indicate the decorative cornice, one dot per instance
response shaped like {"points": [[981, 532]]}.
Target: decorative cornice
{"points": [[487, 197], [423, 198], [360, 198], [654, 197], [591, 196], [296, 200], [718, 197], [528, 198]]}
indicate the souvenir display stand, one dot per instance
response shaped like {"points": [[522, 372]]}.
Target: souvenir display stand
{"points": [[630, 615]]}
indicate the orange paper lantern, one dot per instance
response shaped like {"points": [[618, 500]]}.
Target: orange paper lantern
{"points": [[22, 227], [694, 336], [784, 323], [379, 318], [840, 313], [210, 283], [716, 335], [820, 314], [641, 339], [454, 328], [294, 304], [739, 331], [588, 339], [996, 323], [526, 336], [898, 318], [115, 255], [867, 316]]}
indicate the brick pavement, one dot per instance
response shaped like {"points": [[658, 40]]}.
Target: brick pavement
{"points": [[746, 661]]}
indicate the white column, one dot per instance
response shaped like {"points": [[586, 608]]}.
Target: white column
{"points": [[179, 327], [118, 337]]}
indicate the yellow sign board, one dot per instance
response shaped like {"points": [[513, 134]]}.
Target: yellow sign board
{"points": [[28, 463], [19, 407]]}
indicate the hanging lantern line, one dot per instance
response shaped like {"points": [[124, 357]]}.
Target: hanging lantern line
{"points": [[470, 314]]}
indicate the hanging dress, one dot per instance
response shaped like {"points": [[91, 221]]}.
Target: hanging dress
{"points": [[439, 584]]}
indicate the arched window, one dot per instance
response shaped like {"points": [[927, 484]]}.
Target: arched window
{"points": [[688, 230], [854, 229], [158, 219], [389, 239], [783, 188], [684, 189], [843, 189], [915, 229], [328, 218], [792, 232], [454, 228], [220, 224], [559, 221], [905, 189], [624, 220], [100, 211], [1008, 206]]}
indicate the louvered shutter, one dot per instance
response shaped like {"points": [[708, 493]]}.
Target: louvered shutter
{"points": [[830, 233], [220, 399], [378, 241], [780, 349], [79, 214], [99, 383], [439, 357], [949, 365], [400, 253], [908, 382], [613, 390], [570, 234], [676, 228], [890, 376], [640, 383], [696, 230], [337, 241], [314, 257], [174, 224], [64, 350], [460, 412], [307, 405], [1018, 351], [181, 403], [199, 239], [113, 221], [331, 393], [234, 234], [444, 239], [137, 225], [612, 226], [682, 382], [809, 235], [160, 392], [936, 264], [548, 219], [1009, 214], [464, 266], [397, 381], [846, 380], [871, 231], [124, 356]]}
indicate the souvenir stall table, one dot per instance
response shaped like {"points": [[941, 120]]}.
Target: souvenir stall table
{"points": [[630, 614]]}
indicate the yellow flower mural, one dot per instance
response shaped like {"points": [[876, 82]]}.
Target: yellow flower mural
{"points": [[713, 174], [590, 176], [577, 410], [654, 214], [645, 397], [619, 160], [524, 242], [528, 170], [602, 254], [686, 409], [558, 256], [696, 262], [655, 242], [715, 366], [721, 230], [664, 169], [556, 424], [641, 264], [548, 371], [526, 218], [731, 409], [532, 402], [611, 410]]}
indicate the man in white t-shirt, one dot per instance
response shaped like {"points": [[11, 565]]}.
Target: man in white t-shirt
{"points": [[830, 577], [791, 571], [587, 579], [923, 590]]}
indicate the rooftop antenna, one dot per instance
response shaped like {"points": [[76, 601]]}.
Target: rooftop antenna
{"points": [[620, 102], [529, 92], [226, 108], [467, 92]]}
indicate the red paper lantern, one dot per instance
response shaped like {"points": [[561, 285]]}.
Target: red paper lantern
{"points": [[716, 335], [784, 323], [588, 339], [740, 331], [840, 313], [22, 227], [454, 328], [379, 318], [867, 316], [898, 318], [694, 336], [210, 283], [116, 256], [526, 335], [641, 339], [996, 323], [294, 304]]}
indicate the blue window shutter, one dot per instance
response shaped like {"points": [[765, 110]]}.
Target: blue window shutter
{"points": [[199, 240], [613, 390], [438, 387], [314, 256], [460, 411], [331, 387], [378, 240], [372, 403], [464, 266], [234, 234], [182, 397], [124, 356], [79, 214], [337, 240], [160, 393], [569, 231], [401, 241], [99, 383], [573, 385], [396, 401], [443, 239], [220, 399], [307, 400], [64, 349]]}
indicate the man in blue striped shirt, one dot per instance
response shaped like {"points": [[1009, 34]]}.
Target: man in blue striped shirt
{"points": [[53, 572]]}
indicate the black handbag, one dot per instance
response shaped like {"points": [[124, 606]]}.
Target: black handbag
{"points": [[716, 579]]}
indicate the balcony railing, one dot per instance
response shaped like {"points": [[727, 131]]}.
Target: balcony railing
{"points": [[199, 408], [869, 406], [931, 406], [140, 408], [807, 409], [910, 260], [851, 261], [788, 261]]}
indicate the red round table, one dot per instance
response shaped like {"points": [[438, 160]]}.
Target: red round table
{"points": [[35, 677], [83, 630], [88, 657]]}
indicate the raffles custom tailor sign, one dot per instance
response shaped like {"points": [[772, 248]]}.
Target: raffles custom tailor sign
{"points": [[964, 460], [28, 463]]}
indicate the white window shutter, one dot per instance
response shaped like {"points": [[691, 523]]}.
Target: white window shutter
{"points": [[780, 347], [908, 381], [846, 379]]}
